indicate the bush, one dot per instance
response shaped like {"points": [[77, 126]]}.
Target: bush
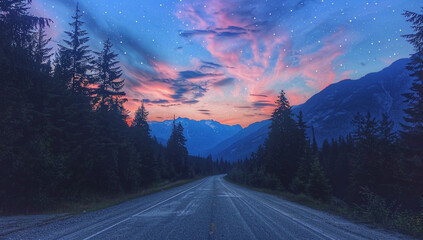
{"points": [[408, 222], [375, 208], [318, 185], [271, 181], [298, 186]]}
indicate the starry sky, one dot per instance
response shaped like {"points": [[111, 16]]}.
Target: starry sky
{"points": [[227, 60]]}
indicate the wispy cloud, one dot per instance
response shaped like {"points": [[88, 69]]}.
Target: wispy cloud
{"points": [[224, 82], [260, 50]]}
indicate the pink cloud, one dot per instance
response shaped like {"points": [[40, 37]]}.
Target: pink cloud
{"points": [[256, 72], [317, 67]]}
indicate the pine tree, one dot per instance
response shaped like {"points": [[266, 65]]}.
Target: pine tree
{"points": [[163, 165], [282, 143], [363, 162], [16, 26], [107, 77], [16, 44], [413, 133], [182, 150], [314, 146], [318, 186], [304, 154], [303, 143], [62, 63], [140, 119], [143, 143], [390, 163], [302, 127], [176, 151], [41, 50], [76, 49]]}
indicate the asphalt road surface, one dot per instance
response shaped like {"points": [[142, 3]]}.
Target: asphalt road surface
{"points": [[210, 208]]}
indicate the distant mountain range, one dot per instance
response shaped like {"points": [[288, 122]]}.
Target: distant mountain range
{"points": [[243, 143], [200, 135], [330, 112]]}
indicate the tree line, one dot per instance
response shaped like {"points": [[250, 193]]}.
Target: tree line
{"points": [[63, 127], [374, 167]]}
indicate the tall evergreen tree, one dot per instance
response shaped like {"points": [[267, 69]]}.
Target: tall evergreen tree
{"points": [[413, 134], [182, 150], [365, 137], [143, 143], [76, 49], [16, 26], [303, 141], [304, 154], [314, 146], [41, 50], [281, 145], [140, 119], [176, 151], [107, 77], [61, 64]]}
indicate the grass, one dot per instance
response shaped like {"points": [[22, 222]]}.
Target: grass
{"points": [[403, 222], [96, 202]]}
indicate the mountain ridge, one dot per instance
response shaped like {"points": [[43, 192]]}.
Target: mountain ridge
{"points": [[331, 110]]}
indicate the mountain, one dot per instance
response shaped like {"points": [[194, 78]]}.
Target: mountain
{"points": [[243, 143], [200, 135], [330, 111]]}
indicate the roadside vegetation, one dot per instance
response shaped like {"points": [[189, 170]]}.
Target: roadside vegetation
{"points": [[97, 202], [373, 215]]}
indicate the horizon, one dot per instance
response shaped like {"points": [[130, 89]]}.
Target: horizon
{"points": [[207, 59]]}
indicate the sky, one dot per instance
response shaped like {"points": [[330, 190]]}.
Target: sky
{"points": [[227, 60]]}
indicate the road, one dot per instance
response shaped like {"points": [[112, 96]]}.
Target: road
{"points": [[210, 208]]}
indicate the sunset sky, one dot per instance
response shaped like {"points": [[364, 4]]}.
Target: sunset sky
{"points": [[227, 60]]}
